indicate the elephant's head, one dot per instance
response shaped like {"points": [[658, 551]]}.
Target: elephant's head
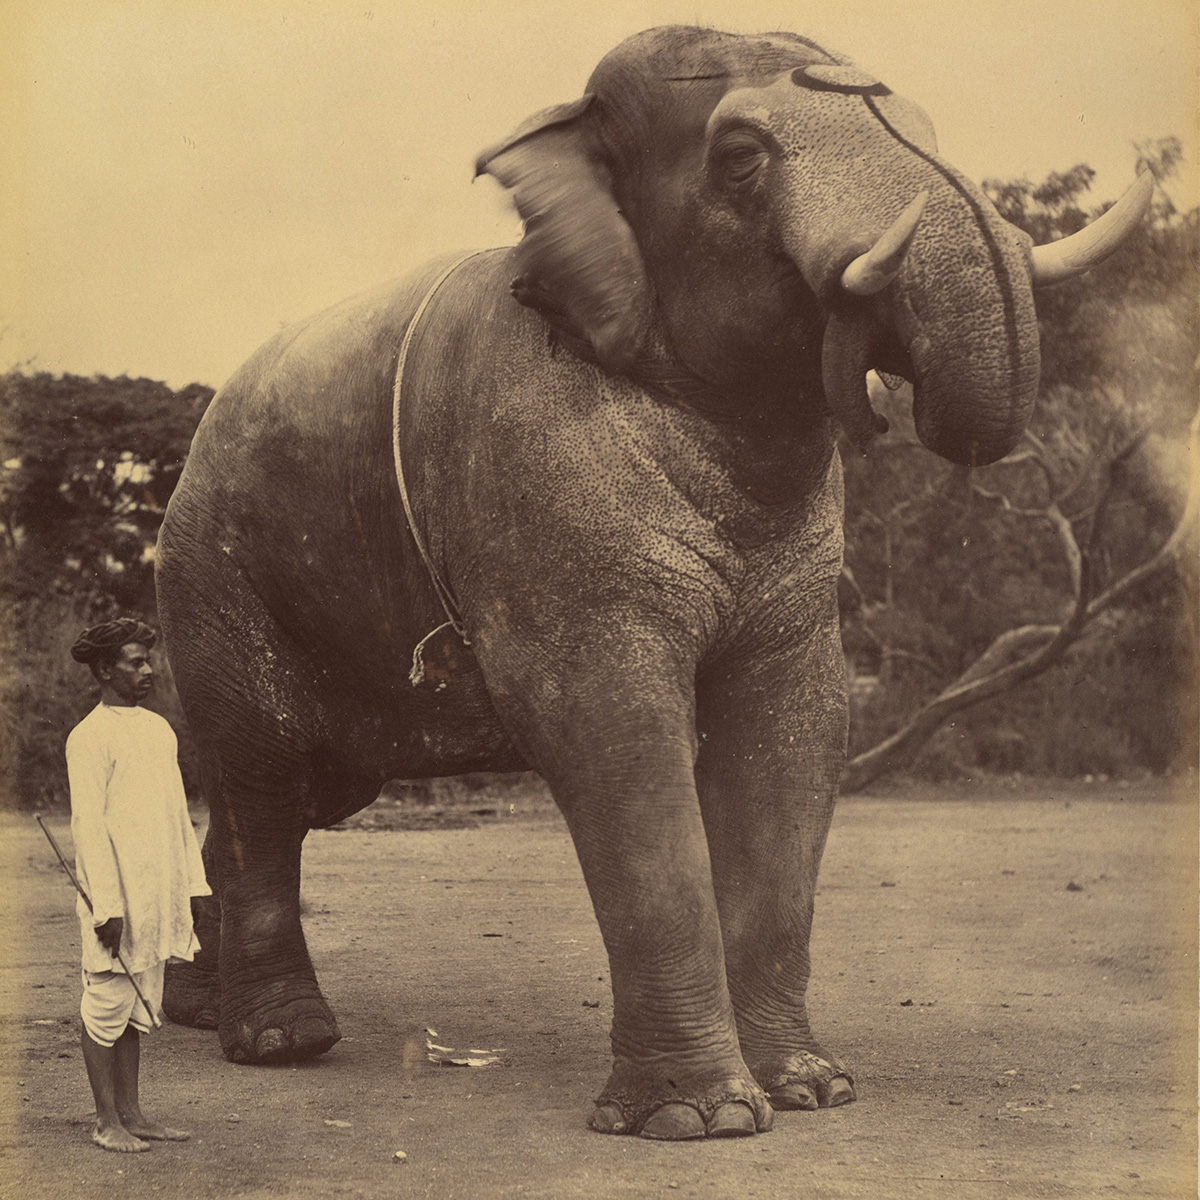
{"points": [[758, 218]]}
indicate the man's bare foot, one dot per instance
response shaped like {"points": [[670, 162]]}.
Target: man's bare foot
{"points": [[152, 1131], [118, 1139]]}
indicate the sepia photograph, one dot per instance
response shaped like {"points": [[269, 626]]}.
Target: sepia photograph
{"points": [[600, 601]]}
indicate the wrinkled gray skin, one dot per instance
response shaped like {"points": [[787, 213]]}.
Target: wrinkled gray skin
{"points": [[626, 476]]}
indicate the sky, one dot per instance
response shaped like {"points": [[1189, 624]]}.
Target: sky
{"points": [[182, 180]]}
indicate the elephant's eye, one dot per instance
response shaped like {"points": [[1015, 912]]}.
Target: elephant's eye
{"points": [[737, 157]]}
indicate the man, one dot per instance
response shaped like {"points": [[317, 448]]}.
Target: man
{"points": [[137, 858]]}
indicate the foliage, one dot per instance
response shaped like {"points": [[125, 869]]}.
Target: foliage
{"points": [[86, 468], [944, 562], [1132, 324]]}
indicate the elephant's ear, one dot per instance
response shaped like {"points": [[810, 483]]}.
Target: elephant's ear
{"points": [[579, 261]]}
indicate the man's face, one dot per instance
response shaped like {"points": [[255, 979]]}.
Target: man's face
{"points": [[131, 676]]}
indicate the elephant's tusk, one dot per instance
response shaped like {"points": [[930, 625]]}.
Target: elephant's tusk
{"points": [[1073, 255], [872, 272]]}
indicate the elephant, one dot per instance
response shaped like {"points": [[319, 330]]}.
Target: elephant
{"points": [[575, 506]]}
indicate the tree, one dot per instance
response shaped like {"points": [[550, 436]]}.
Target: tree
{"points": [[1132, 323], [1025, 651], [966, 585], [86, 468]]}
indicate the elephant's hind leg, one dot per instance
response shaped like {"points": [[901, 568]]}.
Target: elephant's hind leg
{"points": [[192, 990], [272, 1009], [251, 701]]}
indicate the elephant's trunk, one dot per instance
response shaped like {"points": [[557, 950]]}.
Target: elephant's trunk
{"points": [[958, 321], [964, 311]]}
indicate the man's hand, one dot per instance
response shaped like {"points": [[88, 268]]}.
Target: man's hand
{"points": [[110, 934], [196, 910]]}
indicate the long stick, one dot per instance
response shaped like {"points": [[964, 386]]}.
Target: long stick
{"points": [[116, 953]]}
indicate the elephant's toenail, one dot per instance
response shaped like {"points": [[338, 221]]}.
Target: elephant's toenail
{"points": [[674, 1123], [839, 1091], [792, 1096], [270, 1041], [732, 1120], [607, 1118], [314, 1036]]}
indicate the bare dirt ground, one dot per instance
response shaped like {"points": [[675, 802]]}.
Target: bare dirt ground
{"points": [[1009, 971]]}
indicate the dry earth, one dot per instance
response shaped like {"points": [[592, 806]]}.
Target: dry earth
{"points": [[1009, 970]]}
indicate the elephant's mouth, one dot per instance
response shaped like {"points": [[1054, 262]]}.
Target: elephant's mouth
{"points": [[969, 407], [855, 344], [893, 364]]}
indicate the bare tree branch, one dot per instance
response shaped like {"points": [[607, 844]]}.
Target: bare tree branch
{"points": [[1021, 654], [1058, 522], [923, 660]]}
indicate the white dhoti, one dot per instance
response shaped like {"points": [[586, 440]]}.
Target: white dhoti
{"points": [[110, 1004]]}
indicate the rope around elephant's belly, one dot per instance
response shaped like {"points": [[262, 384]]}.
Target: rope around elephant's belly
{"points": [[417, 674]]}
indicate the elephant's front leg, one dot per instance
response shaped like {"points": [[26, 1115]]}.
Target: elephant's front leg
{"points": [[614, 737], [773, 732]]}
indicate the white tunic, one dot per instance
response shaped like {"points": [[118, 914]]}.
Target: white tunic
{"points": [[136, 853]]}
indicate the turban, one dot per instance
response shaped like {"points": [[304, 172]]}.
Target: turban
{"points": [[103, 641]]}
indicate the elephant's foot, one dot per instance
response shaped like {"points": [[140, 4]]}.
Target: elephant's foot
{"points": [[191, 995], [804, 1080], [282, 1032], [645, 1102]]}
